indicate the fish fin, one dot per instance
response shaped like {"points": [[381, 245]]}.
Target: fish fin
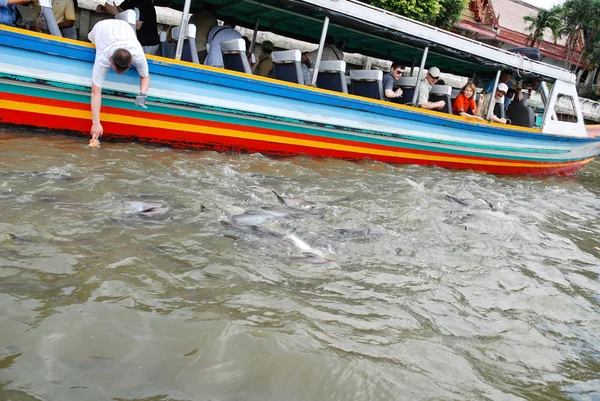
{"points": [[16, 238], [279, 198], [455, 199]]}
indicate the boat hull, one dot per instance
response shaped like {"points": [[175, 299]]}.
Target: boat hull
{"points": [[204, 108]]}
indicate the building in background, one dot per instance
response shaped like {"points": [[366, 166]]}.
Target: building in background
{"points": [[500, 23]]}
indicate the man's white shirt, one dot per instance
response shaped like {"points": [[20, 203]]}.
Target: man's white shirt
{"points": [[108, 36]]}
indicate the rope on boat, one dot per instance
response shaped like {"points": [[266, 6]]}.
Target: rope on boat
{"points": [[522, 65]]}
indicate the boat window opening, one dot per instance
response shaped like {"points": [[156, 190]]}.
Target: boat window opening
{"points": [[564, 108]]}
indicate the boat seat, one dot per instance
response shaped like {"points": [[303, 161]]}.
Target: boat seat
{"points": [[455, 93], [189, 52], [128, 16], [46, 8], [408, 85], [234, 55], [520, 114], [167, 49], [332, 76], [287, 66], [442, 92], [367, 83]]}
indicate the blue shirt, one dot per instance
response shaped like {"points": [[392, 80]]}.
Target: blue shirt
{"points": [[8, 14]]}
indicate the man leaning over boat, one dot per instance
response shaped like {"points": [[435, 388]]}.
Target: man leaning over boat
{"points": [[433, 75], [117, 48]]}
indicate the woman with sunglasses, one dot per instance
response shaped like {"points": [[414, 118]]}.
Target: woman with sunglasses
{"points": [[464, 105]]}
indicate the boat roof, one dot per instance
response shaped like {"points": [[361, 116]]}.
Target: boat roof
{"points": [[377, 33]]}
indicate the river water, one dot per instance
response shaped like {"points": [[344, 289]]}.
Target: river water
{"points": [[371, 282]]}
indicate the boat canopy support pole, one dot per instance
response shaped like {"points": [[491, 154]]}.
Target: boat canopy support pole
{"points": [[490, 109], [548, 114], [183, 29], [420, 75], [320, 52], [253, 43]]}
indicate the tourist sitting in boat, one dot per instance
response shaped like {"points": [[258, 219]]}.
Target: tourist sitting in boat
{"points": [[425, 87], [217, 35], [204, 20], [64, 14], [305, 67], [496, 98], [464, 105], [264, 68], [117, 47], [505, 78], [250, 55], [8, 11], [396, 71], [146, 25], [330, 52]]}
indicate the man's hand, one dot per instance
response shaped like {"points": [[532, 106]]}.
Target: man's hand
{"points": [[97, 130], [440, 104], [140, 100], [100, 9], [398, 92], [111, 8]]}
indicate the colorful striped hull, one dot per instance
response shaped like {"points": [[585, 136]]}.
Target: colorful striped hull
{"points": [[205, 108]]}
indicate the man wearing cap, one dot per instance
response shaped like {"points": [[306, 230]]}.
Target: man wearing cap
{"points": [[425, 87], [396, 71], [505, 78], [264, 68], [497, 98], [117, 48]]}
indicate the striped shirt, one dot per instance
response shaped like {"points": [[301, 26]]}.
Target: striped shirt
{"points": [[108, 36]]}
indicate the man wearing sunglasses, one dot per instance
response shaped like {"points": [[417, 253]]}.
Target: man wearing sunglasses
{"points": [[389, 78], [117, 48], [433, 75]]}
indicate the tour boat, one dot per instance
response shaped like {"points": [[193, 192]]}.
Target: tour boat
{"points": [[45, 81]]}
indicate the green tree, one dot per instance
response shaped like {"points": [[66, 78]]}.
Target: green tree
{"points": [[581, 19], [450, 13], [441, 13], [545, 19]]}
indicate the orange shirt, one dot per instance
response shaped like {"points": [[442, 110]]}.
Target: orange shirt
{"points": [[462, 103]]}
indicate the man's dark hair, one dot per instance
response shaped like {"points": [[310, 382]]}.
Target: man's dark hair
{"points": [[122, 59], [329, 40], [396, 64]]}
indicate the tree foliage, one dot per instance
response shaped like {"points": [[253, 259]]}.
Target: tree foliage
{"points": [[581, 19], [441, 13], [545, 19]]}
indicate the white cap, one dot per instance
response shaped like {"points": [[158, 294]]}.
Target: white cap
{"points": [[502, 87], [434, 72]]}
